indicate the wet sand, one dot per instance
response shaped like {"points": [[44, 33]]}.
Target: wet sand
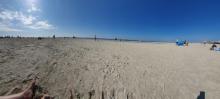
{"points": [[110, 69]]}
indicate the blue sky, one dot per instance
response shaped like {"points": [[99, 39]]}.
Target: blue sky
{"points": [[132, 19]]}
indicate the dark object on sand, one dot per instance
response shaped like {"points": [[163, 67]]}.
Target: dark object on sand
{"points": [[213, 47], [201, 95], [39, 38]]}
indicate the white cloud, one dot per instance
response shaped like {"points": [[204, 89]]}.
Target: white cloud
{"points": [[17, 16], [8, 29], [33, 9], [41, 25], [7, 15], [19, 19], [27, 20]]}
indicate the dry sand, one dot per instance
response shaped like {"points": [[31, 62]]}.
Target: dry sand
{"points": [[109, 69]]}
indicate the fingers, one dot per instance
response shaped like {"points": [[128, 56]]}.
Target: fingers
{"points": [[32, 84], [31, 87]]}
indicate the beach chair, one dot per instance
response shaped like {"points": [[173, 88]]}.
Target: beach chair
{"points": [[216, 49]]}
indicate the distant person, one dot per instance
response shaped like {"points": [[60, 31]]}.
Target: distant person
{"points": [[186, 43], [95, 38], [204, 43], [54, 36]]}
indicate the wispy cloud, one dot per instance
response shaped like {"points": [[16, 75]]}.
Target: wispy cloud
{"points": [[41, 25], [9, 16], [33, 8], [15, 20], [8, 29]]}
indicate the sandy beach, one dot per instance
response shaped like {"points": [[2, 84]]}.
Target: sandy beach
{"points": [[110, 69]]}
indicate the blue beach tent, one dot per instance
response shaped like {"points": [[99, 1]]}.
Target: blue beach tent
{"points": [[180, 43]]}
